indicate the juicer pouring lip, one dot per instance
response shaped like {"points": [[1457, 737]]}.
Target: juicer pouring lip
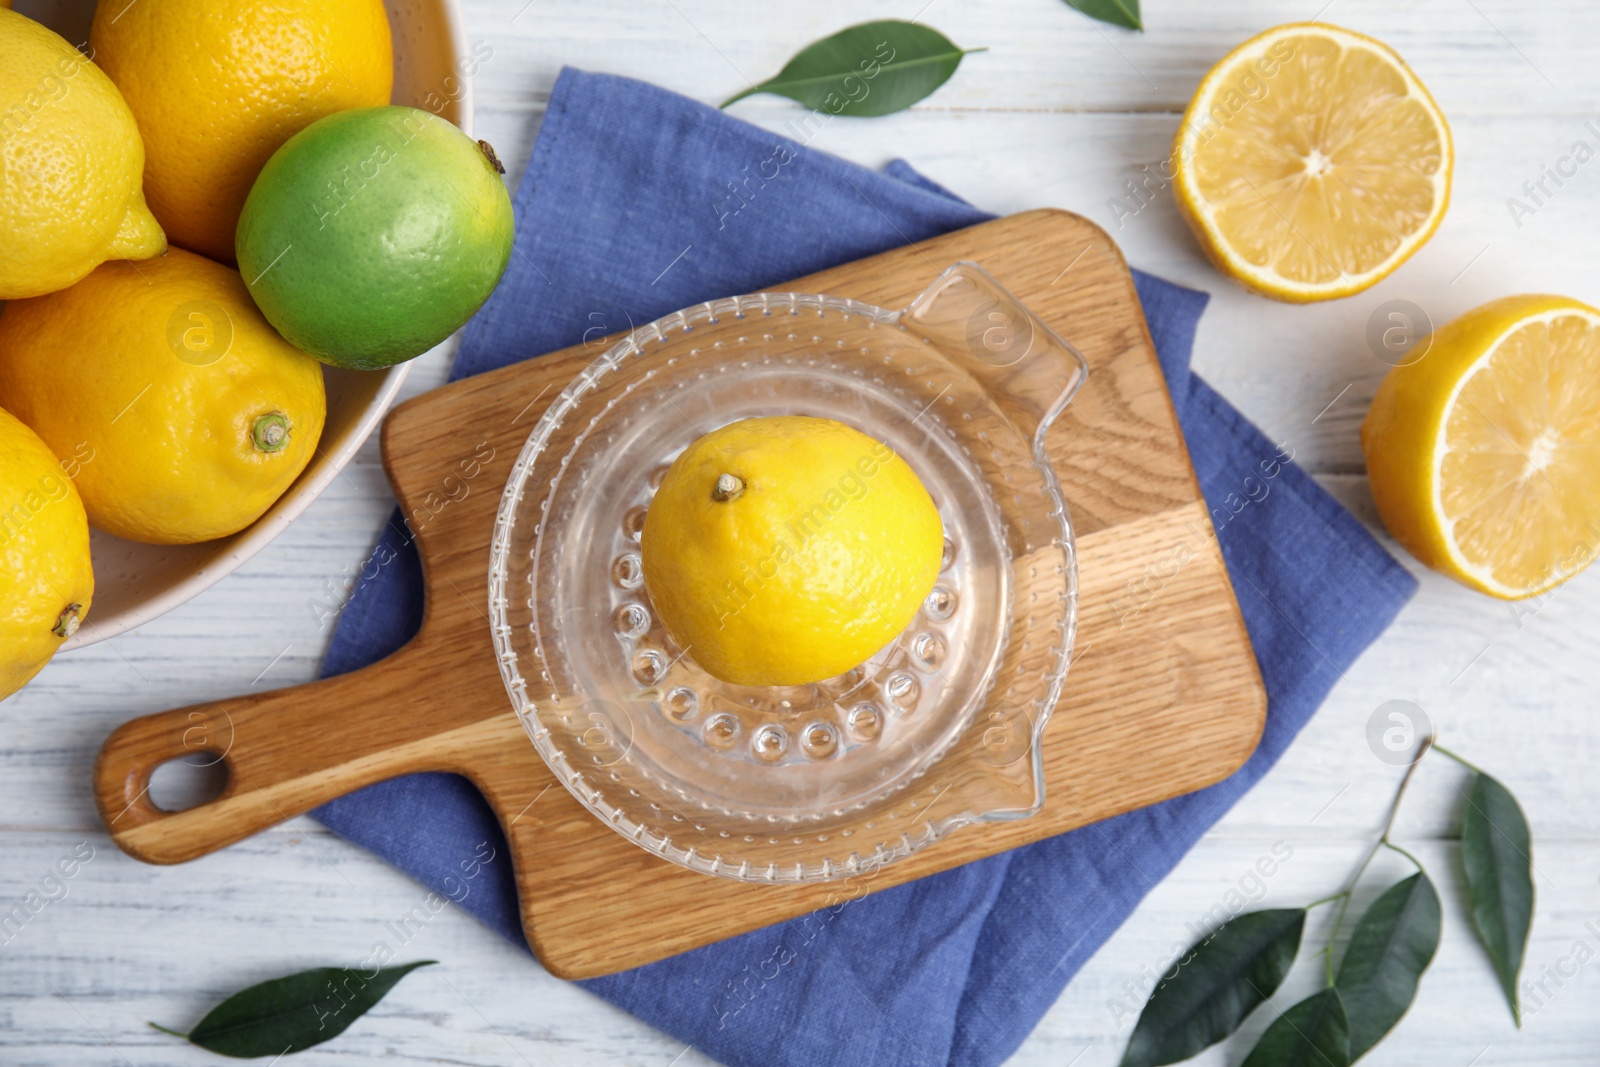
{"points": [[1030, 370]]}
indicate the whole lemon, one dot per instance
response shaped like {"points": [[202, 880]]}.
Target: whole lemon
{"points": [[788, 549], [45, 579], [374, 234], [218, 85], [70, 166], [196, 414]]}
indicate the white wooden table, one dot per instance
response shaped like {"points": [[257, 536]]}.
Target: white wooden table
{"points": [[1060, 111]]}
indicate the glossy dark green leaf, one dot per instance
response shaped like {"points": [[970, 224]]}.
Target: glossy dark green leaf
{"points": [[1219, 981], [1313, 1033], [875, 68], [1117, 12], [1391, 947], [295, 1012], [1497, 853]]}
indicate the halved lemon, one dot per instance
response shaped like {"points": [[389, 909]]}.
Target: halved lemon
{"points": [[1311, 163], [1484, 454]]}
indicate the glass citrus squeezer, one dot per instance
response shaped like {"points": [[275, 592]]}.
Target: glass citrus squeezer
{"points": [[940, 729]]}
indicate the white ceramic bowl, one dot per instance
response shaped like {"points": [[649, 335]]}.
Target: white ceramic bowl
{"points": [[134, 583]]}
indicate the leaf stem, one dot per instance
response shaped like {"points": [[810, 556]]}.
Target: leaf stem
{"points": [[1399, 794], [174, 1033], [1383, 839], [1327, 899], [1390, 844], [1326, 952], [1446, 752]]}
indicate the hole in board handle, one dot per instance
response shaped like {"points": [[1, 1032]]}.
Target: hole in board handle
{"points": [[188, 781]]}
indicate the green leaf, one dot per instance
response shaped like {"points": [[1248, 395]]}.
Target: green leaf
{"points": [[1497, 852], [1117, 12], [876, 68], [1391, 947], [293, 1013], [1313, 1033], [1220, 981]]}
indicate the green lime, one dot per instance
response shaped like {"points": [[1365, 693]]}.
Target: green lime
{"points": [[373, 234]]}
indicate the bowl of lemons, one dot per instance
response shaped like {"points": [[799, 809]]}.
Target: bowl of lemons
{"points": [[199, 382]]}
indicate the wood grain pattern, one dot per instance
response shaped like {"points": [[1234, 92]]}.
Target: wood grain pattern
{"points": [[1159, 702]]}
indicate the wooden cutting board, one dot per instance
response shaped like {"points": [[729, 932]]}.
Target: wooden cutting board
{"points": [[1163, 697]]}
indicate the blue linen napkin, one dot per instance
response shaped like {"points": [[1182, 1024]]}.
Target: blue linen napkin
{"points": [[638, 202]]}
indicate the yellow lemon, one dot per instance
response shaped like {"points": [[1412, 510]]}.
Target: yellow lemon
{"points": [[1311, 163], [70, 166], [219, 85], [187, 413], [1484, 453], [45, 580], [786, 550]]}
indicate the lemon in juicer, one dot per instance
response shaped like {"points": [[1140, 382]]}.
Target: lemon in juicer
{"points": [[785, 550]]}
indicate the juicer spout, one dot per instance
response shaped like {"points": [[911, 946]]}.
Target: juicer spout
{"points": [[1027, 367]]}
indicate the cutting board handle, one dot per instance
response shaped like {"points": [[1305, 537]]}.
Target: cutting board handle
{"points": [[285, 752]]}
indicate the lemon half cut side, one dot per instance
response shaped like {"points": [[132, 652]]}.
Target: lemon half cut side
{"points": [[1311, 163], [1484, 456]]}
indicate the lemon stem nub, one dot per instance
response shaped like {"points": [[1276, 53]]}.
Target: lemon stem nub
{"points": [[67, 624], [270, 432], [728, 487], [494, 161]]}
